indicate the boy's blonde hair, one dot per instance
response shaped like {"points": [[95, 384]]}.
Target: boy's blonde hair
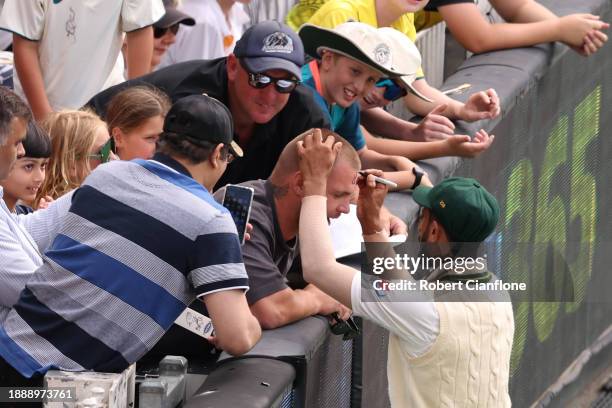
{"points": [[73, 136]]}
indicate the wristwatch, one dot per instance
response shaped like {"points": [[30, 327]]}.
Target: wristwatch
{"points": [[418, 175]]}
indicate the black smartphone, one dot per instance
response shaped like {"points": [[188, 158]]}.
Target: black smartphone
{"points": [[238, 200]]}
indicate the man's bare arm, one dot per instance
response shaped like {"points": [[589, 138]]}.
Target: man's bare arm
{"points": [[288, 305], [236, 329]]}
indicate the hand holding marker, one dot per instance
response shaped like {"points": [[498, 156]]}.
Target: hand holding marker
{"points": [[380, 180]]}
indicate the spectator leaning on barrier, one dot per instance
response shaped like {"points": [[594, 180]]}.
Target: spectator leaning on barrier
{"points": [[351, 58], [259, 85], [166, 29], [389, 89], [66, 50], [107, 291], [272, 249], [399, 15], [431, 358], [219, 24], [526, 23]]}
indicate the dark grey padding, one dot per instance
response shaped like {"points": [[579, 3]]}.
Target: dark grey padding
{"points": [[301, 338], [246, 382]]}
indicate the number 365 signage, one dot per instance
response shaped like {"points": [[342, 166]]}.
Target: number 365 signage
{"points": [[551, 210]]}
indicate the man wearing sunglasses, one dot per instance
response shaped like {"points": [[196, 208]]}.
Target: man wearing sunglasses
{"points": [[259, 83]]}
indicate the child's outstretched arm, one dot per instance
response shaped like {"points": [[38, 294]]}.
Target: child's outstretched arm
{"points": [[529, 23]]}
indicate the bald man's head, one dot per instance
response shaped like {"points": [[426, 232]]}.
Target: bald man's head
{"points": [[289, 162]]}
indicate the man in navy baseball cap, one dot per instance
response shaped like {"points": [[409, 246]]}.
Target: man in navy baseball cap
{"points": [[271, 45], [259, 83]]}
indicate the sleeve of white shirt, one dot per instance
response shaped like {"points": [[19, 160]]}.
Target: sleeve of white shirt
{"points": [[43, 225], [24, 17], [136, 14], [416, 323], [16, 267]]}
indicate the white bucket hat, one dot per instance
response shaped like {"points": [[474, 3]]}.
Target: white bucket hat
{"points": [[411, 57], [358, 41]]}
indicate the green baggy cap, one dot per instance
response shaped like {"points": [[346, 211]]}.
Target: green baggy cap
{"points": [[466, 210]]}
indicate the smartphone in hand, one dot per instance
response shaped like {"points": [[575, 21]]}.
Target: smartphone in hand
{"points": [[238, 200]]}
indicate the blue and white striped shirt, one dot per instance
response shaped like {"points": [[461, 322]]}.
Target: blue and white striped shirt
{"points": [[140, 242]]}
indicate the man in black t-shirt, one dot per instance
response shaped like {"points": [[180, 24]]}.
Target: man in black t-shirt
{"points": [[273, 247], [259, 85]]}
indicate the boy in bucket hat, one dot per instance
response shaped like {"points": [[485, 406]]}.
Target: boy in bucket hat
{"points": [[142, 239], [398, 14], [353, 58], [387, 90], [440, 353], [350, 59], [259, 84]]}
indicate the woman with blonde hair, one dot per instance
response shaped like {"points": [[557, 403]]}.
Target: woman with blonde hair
{"points": [[135, 118], [80, 142]]}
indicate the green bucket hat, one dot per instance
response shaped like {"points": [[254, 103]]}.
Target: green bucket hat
{"points": [[466, 210]]}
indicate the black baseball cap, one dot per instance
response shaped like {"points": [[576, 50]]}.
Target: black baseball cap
{"points": [[271, 45], [200, 118], [173, 16]]}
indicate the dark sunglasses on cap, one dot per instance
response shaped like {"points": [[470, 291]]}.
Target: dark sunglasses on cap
{"points": [[105, 151], [260, 81], [159, 32], [393, 91]]}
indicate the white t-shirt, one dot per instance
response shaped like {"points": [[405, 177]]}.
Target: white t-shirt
{"points": [[6, 38], [415, 324], [79, 41], [211, 37]]}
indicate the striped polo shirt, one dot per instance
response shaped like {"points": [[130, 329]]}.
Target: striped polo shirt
{"points": [[142, 239]]}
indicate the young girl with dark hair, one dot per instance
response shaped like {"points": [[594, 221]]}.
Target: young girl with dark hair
{"points": [[28, 173]]}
